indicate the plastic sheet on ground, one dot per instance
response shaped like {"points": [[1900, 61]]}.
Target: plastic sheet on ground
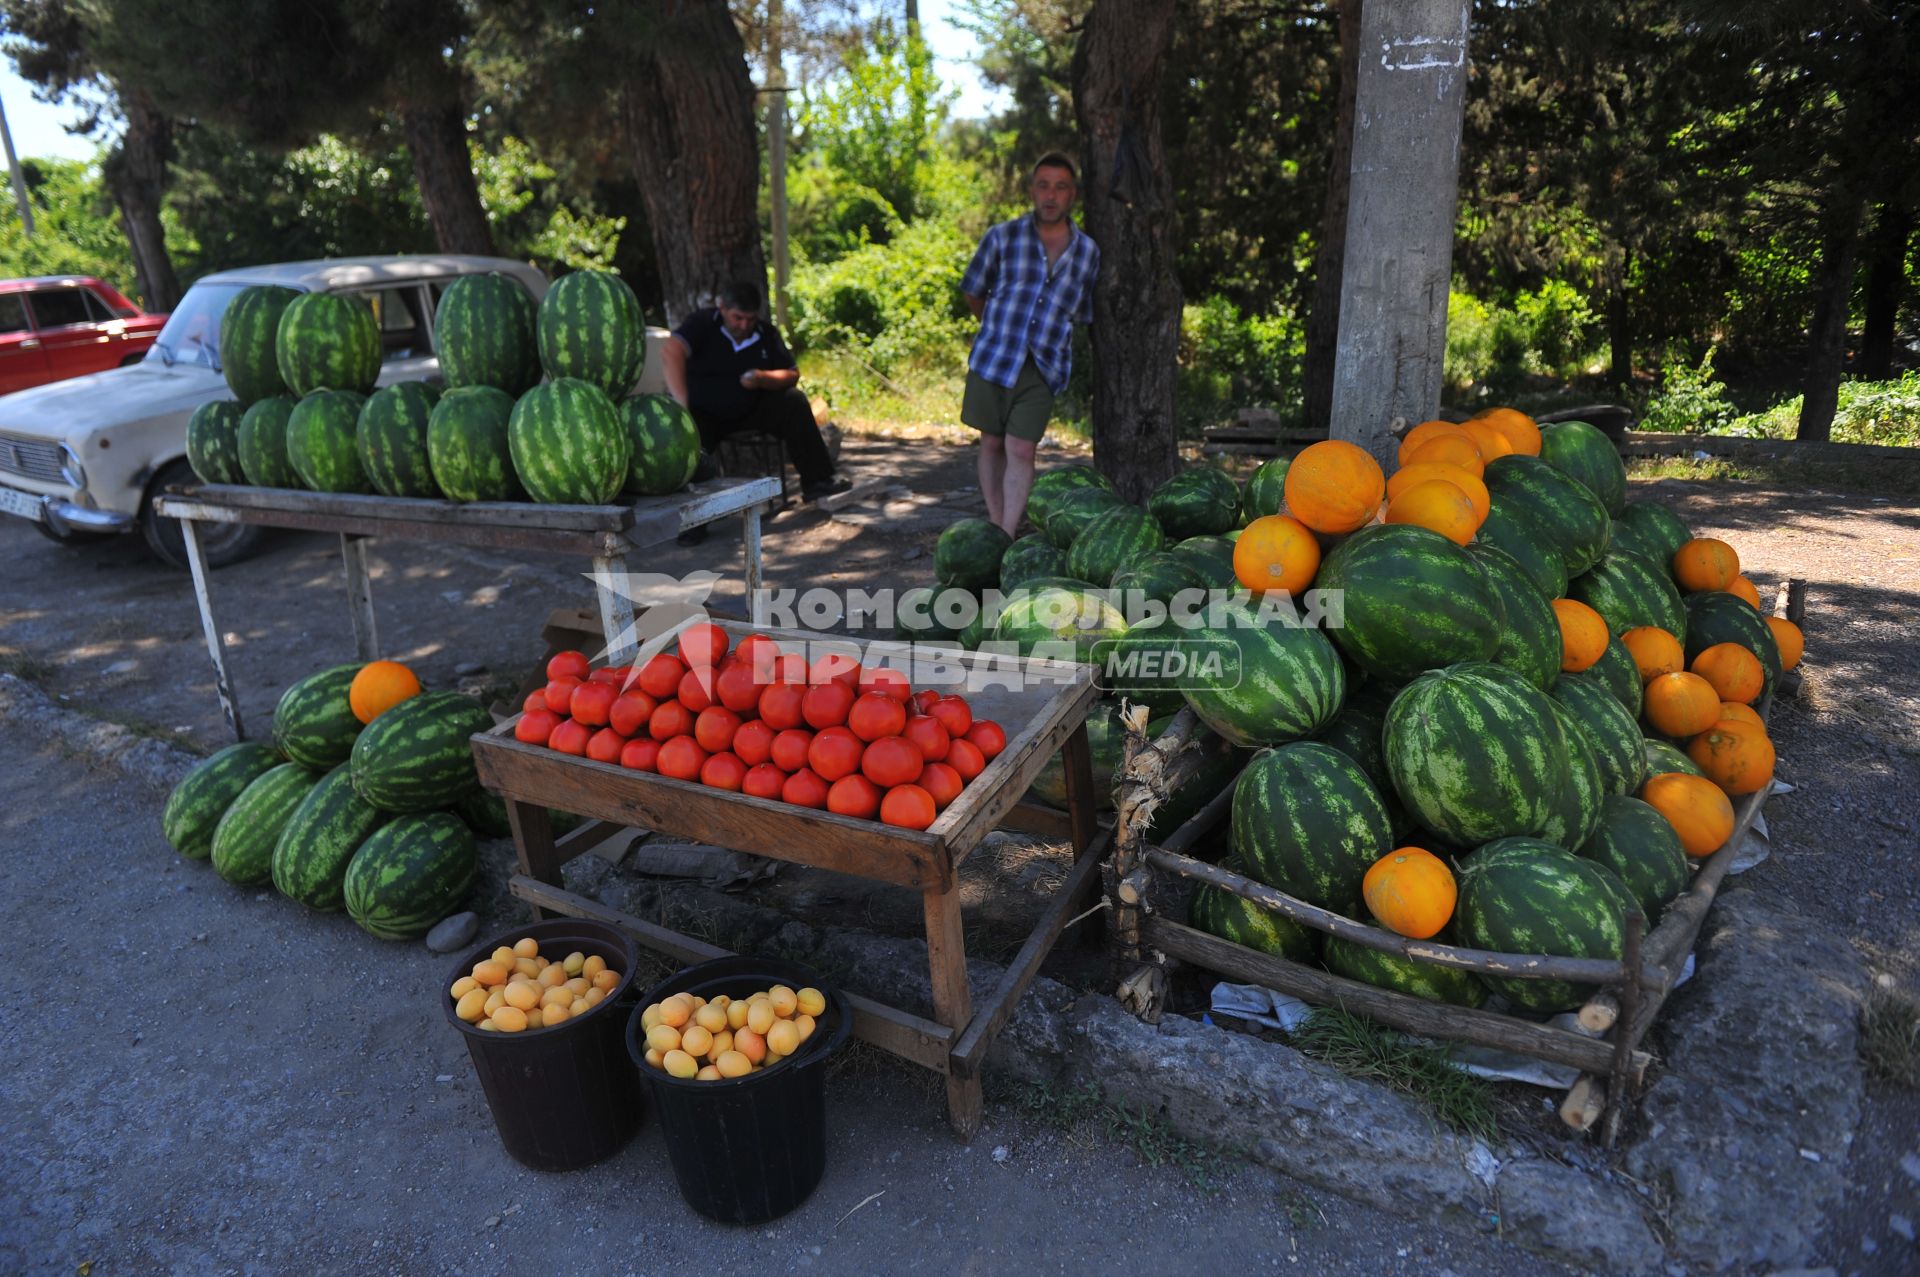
{"points": [[1758, 844]]}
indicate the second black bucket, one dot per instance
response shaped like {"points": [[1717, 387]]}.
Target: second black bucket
{"points": [[749, 1149]]}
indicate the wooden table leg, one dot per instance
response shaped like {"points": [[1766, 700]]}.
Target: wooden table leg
{"points": [[1082, 810], [533, 844], [952, 1000], [750, 533], [616, 607], [216, 649], [366, 635]]}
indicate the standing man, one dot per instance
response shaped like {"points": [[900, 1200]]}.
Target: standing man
{"points": [[1030, 282]]}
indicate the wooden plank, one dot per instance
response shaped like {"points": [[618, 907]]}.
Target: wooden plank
{"points": [[483, 536], [1040, 821], [1077, 760], [860, 491], [616, 608], [1397, 1010], [1005, 781], [584, 838], [1649, 443], [750, 538], [706, 503], [216, 646], [952, 1001], [366, 630], [533, 843], [374, 509]]}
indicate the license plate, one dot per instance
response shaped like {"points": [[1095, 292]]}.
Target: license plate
{"points": [[20, 503]]}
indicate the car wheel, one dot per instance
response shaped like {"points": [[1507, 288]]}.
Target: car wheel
{"points": [[222, 543]]}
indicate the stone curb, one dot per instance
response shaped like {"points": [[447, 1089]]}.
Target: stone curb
{"points": [[154, 762]]}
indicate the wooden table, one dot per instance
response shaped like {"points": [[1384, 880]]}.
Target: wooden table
{"points": [[1044, 717], [606, 534]]}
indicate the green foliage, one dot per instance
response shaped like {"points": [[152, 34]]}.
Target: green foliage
{"points": [[1360, 1048], [895, 304], [1228, 359], [1876, 412], [1691, 401], [76, 227], [530, 216], [1549, 331]]}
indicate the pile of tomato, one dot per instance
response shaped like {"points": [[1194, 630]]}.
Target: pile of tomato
{"points": [[758, 720]]}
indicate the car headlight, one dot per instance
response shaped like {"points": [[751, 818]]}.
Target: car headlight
{"points": [[70, 468]]}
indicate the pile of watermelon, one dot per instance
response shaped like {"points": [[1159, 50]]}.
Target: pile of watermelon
{"points": [[377, 818], [305, 414]]}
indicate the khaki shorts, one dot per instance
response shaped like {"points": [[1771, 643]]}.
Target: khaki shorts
{"points": [[1020, 410]]}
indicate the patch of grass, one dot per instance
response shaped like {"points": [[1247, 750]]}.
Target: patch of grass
{"points": [[1877, 478], [1890, 1038], [1084, 1112], [24, 665], [1362, 1049]]}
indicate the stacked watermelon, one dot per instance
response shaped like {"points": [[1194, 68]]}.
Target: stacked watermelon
{"points": [[249, 363]]}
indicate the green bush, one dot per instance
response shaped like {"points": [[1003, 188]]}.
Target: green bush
{"points": [[1690, 401], [1470, 356], [895, 305], [1229, 360], [1878, 412]]}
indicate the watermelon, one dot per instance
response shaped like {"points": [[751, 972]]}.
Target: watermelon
{"points": [[310, 859], [591, 330], [1359, 731], [1630, 592], [1475, 753], [666, 445], [1307, 820], [263, 444], [244, 839], [1651, 529], [1029, 557], [1059, 622], [467, 446], [1265, 490], [1715, 617], [1136, 664], [1577, 810], [1211, 557], [328, 341], [975, 632], [1530, 635], [1106, 738], [213, 442], [1585, 454], [1638, 844], [392, 439], [484, 328], [409, 875], [1049, 487], [1663, 757], [1221, 913], [418, 754], [314, 724], [968, 554], [1426, 980], [1198, 502], [569, 445], [1074, 510], [1158, 577], [1617, 670], [933, 613], [1506, 529], [1275, 681], [1111, 540], [1414, 601], [248, 332], [202, 797], [484, 812], [1615, 737], [321, 445], [1521, 895], [1558, 507]]}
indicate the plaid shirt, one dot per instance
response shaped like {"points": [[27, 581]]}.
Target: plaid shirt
{"points": [[1030, 309]]}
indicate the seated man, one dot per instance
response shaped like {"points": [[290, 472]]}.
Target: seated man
{"points": [[730, 369]]}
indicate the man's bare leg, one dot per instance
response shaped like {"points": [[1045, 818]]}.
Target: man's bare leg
{"points": [[993, 475], [1017, 484]]}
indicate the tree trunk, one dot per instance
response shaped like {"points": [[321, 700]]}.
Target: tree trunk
{"points": [[436, 134], [1827, 334], [1128, 198], [136, 172], [1886, 288], [1323, 321], [1620, 329], [687, 111], [1389, 364]]}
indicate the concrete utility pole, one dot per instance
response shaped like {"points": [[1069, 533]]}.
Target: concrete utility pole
{"points": [[19, 179], [1400, 216], [777, 160]]}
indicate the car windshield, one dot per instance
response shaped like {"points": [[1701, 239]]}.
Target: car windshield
{"points": [[192, 332]]}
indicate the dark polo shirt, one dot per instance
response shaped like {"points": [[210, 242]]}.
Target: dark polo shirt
{"points": [[715, 364]]}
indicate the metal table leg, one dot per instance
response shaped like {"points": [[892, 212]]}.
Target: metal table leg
{"points": [[616, 607], [366, 636], [750, 531], [216, 649]]}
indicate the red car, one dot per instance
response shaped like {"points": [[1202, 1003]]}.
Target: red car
{"points": [[58, 326]]}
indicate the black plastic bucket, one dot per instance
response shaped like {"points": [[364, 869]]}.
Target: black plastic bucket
{"points": [[746, 1149], [565, 1097]]}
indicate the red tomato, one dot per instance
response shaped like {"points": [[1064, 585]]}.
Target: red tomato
{"points": [[630, 712], [536, 699], [738, 687], [757, 652], [930, 734], [892, 760], [559, 694], [570, 737], [887, 682], [613, 675], [641, 753], [696, 689], [924, 698], [753, 742], [567, 665], [780, 705], [988, 737], [908, 806], [592, 703], [714, 728], [790, 749], [965, 757], [763, 780], [834, 753], [702, 646], [854, 796], [826, 704], [835, 667], [723, 771], [953, 714], [669, 720], [791, 667], [660, 676], [604, 746], [874, 715], [681, 758], [942, 782], [536, 725], [804, 789]]}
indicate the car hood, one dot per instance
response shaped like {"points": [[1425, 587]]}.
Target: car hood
{"points": [[81, 405]]}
